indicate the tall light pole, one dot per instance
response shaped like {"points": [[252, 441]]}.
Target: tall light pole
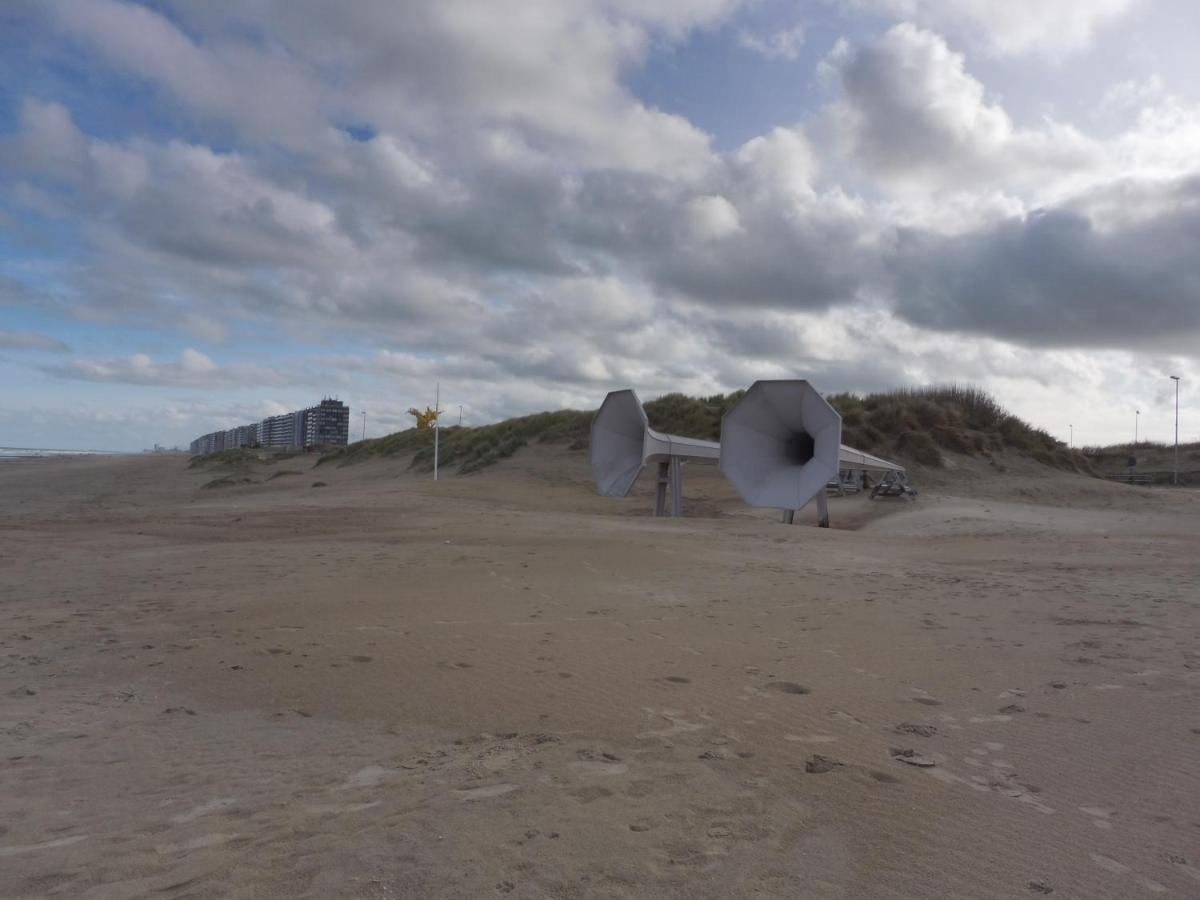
{"points": [[1071, 444], [1136, 415], [1175, 378], [437, 408], [364, 437], [460, 414]]}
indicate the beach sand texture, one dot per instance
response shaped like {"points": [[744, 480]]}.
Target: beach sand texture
{"points": [[503, 685]]}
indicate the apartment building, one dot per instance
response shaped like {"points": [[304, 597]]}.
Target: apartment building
{"points": [[326, 423]]}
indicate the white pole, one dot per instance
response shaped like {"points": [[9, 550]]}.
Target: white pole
{"points": [[437, 399], [1176, 379]]}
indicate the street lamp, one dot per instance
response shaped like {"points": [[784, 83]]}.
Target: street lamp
{"points": [[1175, 378], [1071, 443], [1136, 415]]}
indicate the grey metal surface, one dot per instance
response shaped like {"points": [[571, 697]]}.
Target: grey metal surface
{"points": [[857, 459], [618, 436], [623, 442], [780, 444]]}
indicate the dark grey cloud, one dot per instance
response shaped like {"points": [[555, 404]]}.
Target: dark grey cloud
{"points": [[1056, 278]]}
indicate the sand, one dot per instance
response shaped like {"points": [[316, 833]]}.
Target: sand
{"points": [[502, 685]]}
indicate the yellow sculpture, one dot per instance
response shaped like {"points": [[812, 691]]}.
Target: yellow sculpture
{"points": [[425, 419]]}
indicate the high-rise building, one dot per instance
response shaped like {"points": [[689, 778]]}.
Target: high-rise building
{"points": [[326, 423]]}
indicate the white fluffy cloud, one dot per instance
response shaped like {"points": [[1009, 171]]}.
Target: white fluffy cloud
{"points": [[912, 115], [1053, 27], [783, 44]]}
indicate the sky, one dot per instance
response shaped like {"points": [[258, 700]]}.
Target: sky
{"points": [[215, 211]]}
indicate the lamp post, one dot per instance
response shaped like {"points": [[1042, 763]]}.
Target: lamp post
{"points": [[1071, 443], [1136, 415], [1175, 378]]}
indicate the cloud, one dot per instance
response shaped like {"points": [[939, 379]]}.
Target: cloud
{"points": [[192, 370], [475, 194], [550, 69], [31, 340], [1012, 27], [784, 44], [911, 115], [1055, 278], [1131, 95]]}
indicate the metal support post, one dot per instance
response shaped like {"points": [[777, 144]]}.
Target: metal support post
{"points": [[822, 510], [789, 516], [660, 489], [676, 486]]}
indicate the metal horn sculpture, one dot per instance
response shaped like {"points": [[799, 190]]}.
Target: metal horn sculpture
{"points": [[780, 446]]}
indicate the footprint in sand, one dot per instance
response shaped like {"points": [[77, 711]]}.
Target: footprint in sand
{"points": [[786, 687], [820, 765]]}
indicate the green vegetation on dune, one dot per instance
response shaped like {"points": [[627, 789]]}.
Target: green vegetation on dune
{"points": [[240, 457], [691, 416], [466, 450], [244, 457], [920, 423], [917, 425]]}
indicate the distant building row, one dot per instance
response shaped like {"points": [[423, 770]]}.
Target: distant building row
{"points": [[326, 423]]}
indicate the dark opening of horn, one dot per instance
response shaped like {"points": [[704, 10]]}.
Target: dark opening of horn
{"points": [[799, 448]]}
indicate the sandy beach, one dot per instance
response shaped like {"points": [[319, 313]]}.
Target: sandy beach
{"points": [[504, 685]]}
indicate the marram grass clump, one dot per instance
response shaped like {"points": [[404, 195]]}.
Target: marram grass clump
{"points": [[920, 423]]}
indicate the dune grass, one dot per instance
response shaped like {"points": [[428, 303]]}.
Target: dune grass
{"points": [[465, 450], [235, 458], [920, 423], [917, 425]]}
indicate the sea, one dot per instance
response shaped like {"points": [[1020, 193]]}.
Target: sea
{"points": [[10, 453]]}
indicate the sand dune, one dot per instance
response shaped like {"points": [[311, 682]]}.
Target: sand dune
{"points": [[504, 685]]}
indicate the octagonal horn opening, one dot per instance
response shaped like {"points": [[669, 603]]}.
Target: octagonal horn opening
{"points": [[780, 444]]}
